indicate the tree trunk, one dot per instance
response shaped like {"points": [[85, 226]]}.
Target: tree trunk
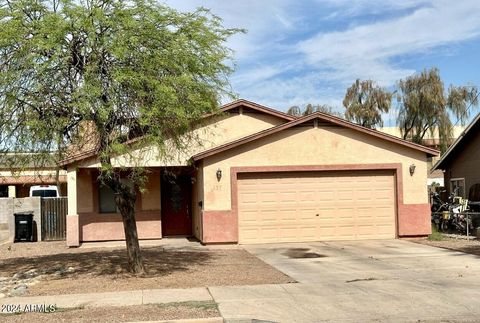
{"points": [[125, 197], [126, 204]]}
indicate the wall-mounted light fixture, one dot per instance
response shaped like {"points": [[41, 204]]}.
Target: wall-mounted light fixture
{"points": [[412, 169], [219, 174]]}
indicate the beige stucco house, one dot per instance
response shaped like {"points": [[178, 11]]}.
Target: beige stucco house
{"points": [[260, 176], [17, 182]]}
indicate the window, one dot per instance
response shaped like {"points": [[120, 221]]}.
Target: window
{"points": [[45, 193], [457, 186], [106, 200]]}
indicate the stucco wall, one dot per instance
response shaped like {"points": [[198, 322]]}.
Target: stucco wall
{"points": [[102, 227], [95, 226], [151, 197], [466, 163], [215, 131], [84, 191], [9, 206], [6, 209], [304, 146], [44, 175], [314, 146]]}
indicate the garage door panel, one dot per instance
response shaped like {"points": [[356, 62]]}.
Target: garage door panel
{"points": [[309, 206], [344, 195], [287, 214], [307, 233]]}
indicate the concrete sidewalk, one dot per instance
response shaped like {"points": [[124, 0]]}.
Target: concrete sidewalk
{"points": [[125, 298], [386, 281], [297, 302]]}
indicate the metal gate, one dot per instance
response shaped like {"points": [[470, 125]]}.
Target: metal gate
{"points": [[54, 218]]}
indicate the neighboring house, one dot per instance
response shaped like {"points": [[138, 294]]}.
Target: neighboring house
{"points": [[461, 162], [17, 182], [263, 176], [431, 141]]}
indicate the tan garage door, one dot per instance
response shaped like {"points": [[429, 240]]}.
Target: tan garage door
{"points": [[314, 206]]}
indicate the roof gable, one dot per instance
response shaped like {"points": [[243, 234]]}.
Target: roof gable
{"points": [[242, 103], [318, 116], [230, 108], [458, 144]]}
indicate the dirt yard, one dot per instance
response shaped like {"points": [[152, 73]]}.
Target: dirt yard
{"points": [[56, 269], [466, 246], [121, 314]]}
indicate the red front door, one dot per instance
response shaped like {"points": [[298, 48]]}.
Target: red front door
{"points": [[176, 201]]}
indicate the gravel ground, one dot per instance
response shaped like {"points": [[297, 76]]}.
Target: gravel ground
{"points": [[104, 270], [466, 246], [121, 314]]}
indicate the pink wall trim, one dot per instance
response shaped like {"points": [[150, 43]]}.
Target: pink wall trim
{"points": [[103, 227], [414, 220], [220, 227], [73, 234]]}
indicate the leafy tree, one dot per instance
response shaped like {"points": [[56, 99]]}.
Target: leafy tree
{"points": [[365, 102], [312, 108], [294, 111], [426, 107], [107, 75]]}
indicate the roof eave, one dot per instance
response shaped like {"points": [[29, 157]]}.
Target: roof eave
{"points": [[258, 107], [224, 108], [446, 155], [429, 151]]}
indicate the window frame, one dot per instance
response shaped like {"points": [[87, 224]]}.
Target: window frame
{"points": [[100, 210], [458, 179]]}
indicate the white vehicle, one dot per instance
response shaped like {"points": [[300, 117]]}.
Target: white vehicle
{"points": [[44, 191]]}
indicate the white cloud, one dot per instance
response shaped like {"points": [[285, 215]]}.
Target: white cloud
{"points": [[265, 22], [283, 93], [349, 8], [367, 51], [310, 51]]}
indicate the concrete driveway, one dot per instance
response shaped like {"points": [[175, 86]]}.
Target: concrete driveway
{"points": [[359, 281]]}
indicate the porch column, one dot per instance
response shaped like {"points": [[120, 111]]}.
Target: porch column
{"points": [[73, 228], [12, 192]]}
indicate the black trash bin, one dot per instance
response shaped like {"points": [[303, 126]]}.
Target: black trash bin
{"points": [[23, 226]]}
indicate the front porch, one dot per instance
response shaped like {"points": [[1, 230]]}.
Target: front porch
{"points": [[165, 208]]}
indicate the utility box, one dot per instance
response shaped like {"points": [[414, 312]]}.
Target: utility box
{"points": [[23, 226]]}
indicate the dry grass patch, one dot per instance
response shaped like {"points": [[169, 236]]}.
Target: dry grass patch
{"points": [[172, 311], [104, 270]]}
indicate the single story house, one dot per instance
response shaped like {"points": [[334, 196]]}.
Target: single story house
{"points": [[460, 163], [262, 176], [17, 182]]}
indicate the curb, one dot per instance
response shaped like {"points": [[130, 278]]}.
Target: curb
{"points": [[123, 298], [202, 320]]}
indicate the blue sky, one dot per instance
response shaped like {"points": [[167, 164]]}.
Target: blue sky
{"points": [[298, 52]]}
